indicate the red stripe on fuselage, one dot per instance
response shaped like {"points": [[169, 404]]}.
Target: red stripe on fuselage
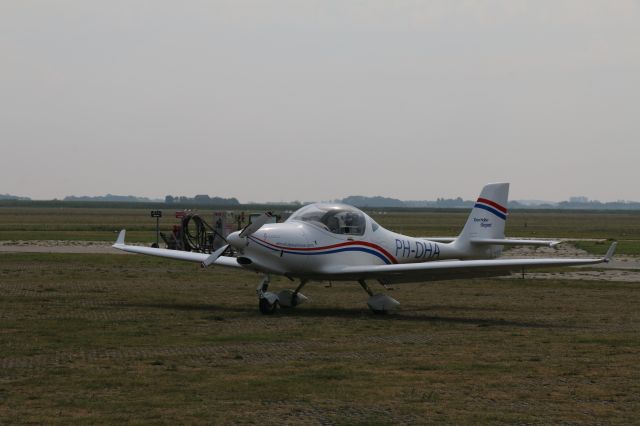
{"points": [[348, 243], [492, 204]]}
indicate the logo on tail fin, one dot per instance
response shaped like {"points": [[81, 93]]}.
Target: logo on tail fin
{"points": [[491, 207]]}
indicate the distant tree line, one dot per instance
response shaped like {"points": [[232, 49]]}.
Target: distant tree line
{"points": [[576, 203], [443, 203], [169, 199], [597, 205], [110, 197], [13, 197], [202, 199], [362, 201]]}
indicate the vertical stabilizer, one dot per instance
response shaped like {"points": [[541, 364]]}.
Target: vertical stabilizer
{"points": [[487, 219]]}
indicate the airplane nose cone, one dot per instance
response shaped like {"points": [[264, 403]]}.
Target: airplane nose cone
{"points": [[235, 240]]}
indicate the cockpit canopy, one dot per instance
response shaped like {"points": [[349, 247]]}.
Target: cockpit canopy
{"points": [[335, 218]]}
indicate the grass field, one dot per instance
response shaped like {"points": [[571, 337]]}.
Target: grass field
{"points": [[109, 339], [117, 338]]}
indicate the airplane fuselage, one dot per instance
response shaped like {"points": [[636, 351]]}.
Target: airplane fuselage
{"points": [[298, 249]]}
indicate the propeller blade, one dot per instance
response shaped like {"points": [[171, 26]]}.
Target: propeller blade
{"points": [[213, 256], [256, 224]]}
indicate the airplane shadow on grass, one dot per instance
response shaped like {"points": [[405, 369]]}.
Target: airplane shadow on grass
{"points": [[359, 313], [352, 313]]}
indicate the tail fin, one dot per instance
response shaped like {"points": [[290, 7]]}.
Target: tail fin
{"points": [[489, 214]]}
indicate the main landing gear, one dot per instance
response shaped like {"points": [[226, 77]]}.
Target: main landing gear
{"points": [[379, 303], [269, 302]]}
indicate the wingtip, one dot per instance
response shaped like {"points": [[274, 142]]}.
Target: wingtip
{"points": [[120, 240], [611, 251]]}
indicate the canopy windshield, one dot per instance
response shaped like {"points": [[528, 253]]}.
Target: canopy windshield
{"points": [[335, 218]]}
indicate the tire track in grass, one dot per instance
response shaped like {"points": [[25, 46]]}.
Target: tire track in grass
{"points": [[266, 352]]}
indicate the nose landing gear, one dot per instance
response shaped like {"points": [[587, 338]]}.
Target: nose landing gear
{"points": [[266, 307], [269, 302]]}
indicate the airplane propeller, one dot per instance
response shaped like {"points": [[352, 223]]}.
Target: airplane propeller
{"points": [[213, 256], [256, 224]]}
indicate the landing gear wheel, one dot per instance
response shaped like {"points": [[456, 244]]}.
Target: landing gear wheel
{"points": [[267, 308]]}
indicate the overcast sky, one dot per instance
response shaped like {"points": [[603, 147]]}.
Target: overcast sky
{"points": [[316, 100]]}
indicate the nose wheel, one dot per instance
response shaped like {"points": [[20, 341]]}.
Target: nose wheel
{"points": [[269, 302], [266, 307]]}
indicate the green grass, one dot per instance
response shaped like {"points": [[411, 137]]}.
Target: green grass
{"points": [[628, 247], [112, 339], [81, 224]]}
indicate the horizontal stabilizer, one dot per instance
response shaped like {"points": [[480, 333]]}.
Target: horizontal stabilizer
{"points": [[513, 242], [443, 240], [498, 241]]}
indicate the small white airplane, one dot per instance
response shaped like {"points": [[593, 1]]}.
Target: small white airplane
{"points": [[337, 242]]}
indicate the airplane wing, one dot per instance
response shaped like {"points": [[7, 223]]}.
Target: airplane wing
{"points": [[173, 254], [454, 269]]}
